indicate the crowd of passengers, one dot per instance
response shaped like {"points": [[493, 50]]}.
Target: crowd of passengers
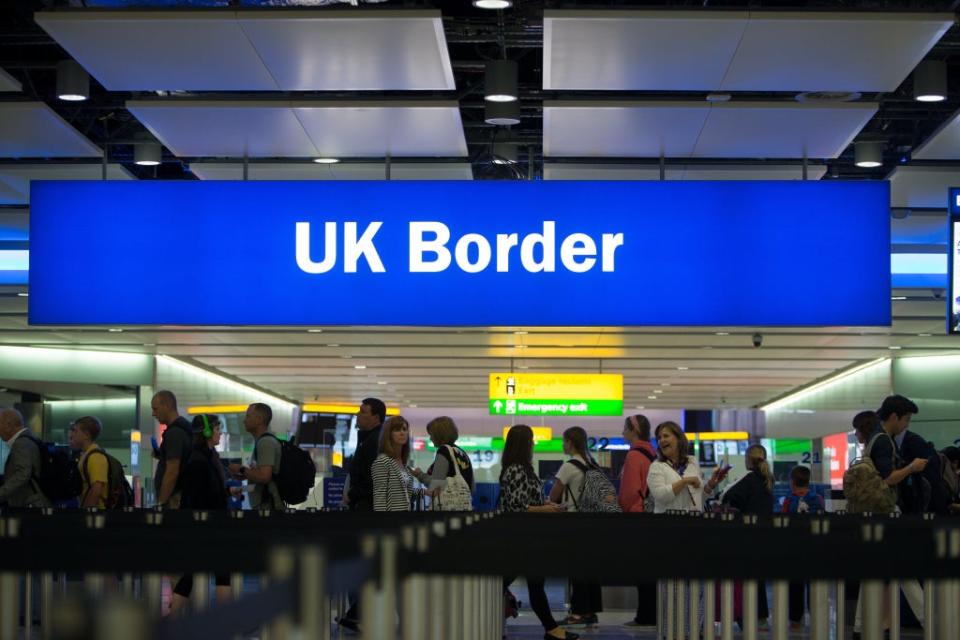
{"points": [[908, 475]]}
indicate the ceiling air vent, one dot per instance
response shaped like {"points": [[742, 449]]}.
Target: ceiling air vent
{"points": [[827, 96]]}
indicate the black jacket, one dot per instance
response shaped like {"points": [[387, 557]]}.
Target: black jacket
{"points": [[924, 491], [204, 481], [361, 476], [750, 495]]}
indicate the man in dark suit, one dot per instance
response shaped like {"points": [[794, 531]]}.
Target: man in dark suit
{"points": [[23, 463]]}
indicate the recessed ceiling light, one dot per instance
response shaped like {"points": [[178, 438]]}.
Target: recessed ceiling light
{"points": [[924, 335], [894, 347], [382, 382], [899, 298], [683, 368], [640, 406], [493, 4], [522, 366], [149, 344], [314, 330], [326, 160], [359, 366], [722, 333], [658, 390], [115, 330], [520, 333], [519, 346], [333, 345], [347, 357], [652, 398], [23, 295], [412, 406], [664, 384]]}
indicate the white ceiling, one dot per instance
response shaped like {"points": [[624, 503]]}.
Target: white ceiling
{"points": [[696, 129], [580, 171], [339, 171], [944, 144], [446, 367], [34, 130], [257, 51], [735, 50], [918, 186], [15, 178], [8, 82], [260, 129]]}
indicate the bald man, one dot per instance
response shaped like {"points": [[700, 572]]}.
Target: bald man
{"points": [[19, 487], [174, 450]]}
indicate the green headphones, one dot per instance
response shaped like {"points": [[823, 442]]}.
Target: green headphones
{"points": [[207, 429]]}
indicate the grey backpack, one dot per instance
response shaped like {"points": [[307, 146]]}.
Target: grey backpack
{"points": [[597, 494]]}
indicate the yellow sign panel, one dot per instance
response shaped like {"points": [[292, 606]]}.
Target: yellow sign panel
{"points": [[553, 386], [540, 434]]}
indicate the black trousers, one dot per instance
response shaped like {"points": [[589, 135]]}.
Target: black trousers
{"points": [[797, 602], [538, 601], [184, 586], [586, 598], [646, 604]]}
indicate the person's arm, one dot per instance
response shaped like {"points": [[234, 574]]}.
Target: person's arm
{"points": [[899, 475], [169, 482], [97, 472], [19, 470], [380, 474], [736, 496], [259, 474], [661, 488], [556, 492], [92, 499], [632, 485]]}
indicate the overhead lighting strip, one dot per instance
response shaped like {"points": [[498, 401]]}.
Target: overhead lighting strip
{"points": [[820, 386]]}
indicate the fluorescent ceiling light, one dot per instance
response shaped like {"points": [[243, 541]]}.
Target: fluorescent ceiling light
{"points": [[326, 160], [227, 382], [493, 4], [360, 366], [820, 386]]}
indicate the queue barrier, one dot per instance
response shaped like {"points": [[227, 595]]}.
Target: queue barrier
{"points": [[443, 572]]}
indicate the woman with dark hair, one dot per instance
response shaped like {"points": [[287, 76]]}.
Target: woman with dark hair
{"points": [[675, 480], [585, 597], [204, 487], [392, 482], [520, 490]]}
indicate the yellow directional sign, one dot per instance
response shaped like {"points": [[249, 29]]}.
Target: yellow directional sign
{"points": [[557, 394]]}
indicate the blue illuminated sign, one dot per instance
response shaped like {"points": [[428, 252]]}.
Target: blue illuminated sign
{"points": [[460, 253]]}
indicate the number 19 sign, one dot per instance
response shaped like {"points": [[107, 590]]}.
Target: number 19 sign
{"points": [[556, 394]]}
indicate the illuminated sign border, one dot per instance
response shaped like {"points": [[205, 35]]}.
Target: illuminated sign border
{"points": [[953, 268]]}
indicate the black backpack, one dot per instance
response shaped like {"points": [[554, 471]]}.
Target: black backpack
{"points": [[297, 472], [59, 477], [119, 492]]}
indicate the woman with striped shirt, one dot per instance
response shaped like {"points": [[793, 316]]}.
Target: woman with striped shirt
{"points": [[392, 482]]}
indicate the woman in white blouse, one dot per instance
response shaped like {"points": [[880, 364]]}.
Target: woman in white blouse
{"points": [[675, 480]]}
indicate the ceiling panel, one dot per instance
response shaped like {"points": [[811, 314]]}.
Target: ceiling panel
{"points": [[160, 50], [826, 51], [15, 178], [944, 144], [34, 130], [781, 130], [627, 50], [422, 128], [8, 82], [735, 51], [225, 129], [697, 129], [261, 129], [339, 171], [917, 186], [256, 51], [581, 171], [631, 129], [307, 51]]}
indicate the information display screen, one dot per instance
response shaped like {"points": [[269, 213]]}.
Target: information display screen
{"points": [[953, 274]]}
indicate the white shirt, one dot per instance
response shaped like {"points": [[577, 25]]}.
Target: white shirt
{"points": [[661, 479], [572, 479]]}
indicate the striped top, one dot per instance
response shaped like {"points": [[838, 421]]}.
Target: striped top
{"points": [[392, 485]]}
